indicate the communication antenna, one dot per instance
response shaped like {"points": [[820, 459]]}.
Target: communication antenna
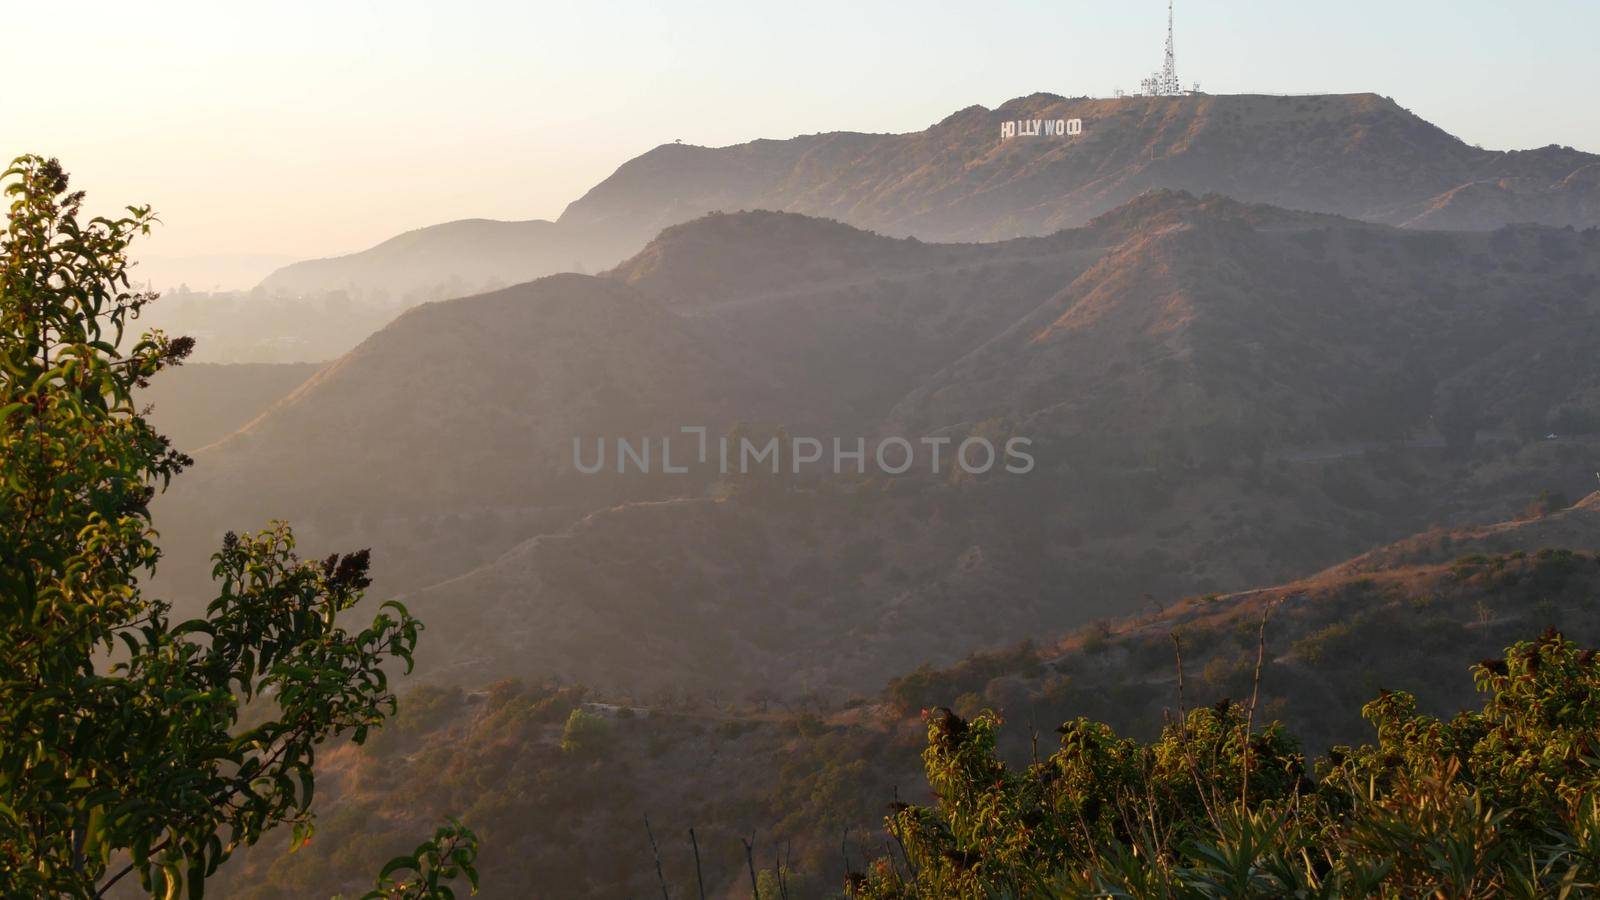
{"points": [[1165, 83], [1169, 67]]}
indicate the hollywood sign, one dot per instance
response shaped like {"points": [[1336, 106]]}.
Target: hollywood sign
{"points": [[1041, 128]]}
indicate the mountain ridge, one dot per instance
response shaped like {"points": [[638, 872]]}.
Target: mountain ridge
{"points": [[1358, 155]]}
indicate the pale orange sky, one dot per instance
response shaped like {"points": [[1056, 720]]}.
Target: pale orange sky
{"points": [[311, 129]]}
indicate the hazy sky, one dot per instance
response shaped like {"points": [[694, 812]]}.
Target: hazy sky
{"points": [[313, 129]]}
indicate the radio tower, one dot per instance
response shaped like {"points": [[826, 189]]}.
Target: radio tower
{"points": [[1169, 68], [1165, 83]]}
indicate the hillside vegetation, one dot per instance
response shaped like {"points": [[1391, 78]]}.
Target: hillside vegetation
{"points": [[812, 782], [1499, 802]]}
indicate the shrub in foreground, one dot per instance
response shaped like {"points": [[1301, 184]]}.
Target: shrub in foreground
{"points": [[1502, 801]]}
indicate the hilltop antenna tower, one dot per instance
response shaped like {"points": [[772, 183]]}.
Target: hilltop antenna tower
{"points": [[1165, 82], [1169, 66]]}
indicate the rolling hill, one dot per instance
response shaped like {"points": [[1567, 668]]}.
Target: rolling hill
{"points": [[1220, 394], [451, 260]]}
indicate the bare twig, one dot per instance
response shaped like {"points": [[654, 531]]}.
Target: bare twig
{"points": [[656, 851], [788, 863], [750, 862], [1033, 726], [1255, 696], [699, 878], [894, 830]]}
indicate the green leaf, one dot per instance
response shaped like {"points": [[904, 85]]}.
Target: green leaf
{"points": [[399, 863]]}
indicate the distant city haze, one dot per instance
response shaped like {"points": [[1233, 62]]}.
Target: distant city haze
{"points": [[304, 130]]}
